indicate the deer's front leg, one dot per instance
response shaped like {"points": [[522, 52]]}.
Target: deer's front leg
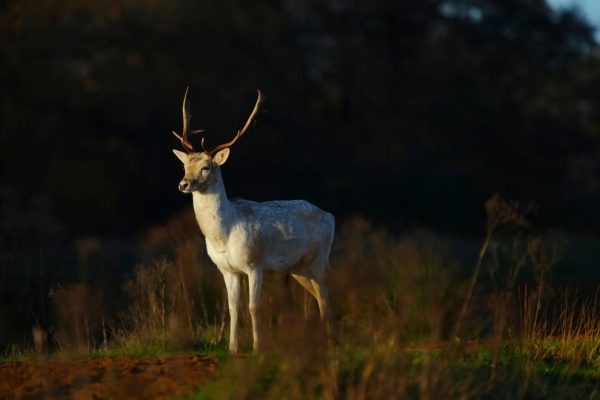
{"points": [[232, 283], [255, 279]]}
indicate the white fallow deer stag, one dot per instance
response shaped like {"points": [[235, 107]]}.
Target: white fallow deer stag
{"points": [[246, 237]]}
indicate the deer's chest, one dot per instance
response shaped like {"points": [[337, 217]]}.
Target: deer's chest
{"points": [[225, 257]]}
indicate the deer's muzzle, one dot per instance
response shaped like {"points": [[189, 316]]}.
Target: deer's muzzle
{"points": [[184, 186]]}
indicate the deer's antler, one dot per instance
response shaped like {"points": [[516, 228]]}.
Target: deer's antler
{"points": [[187, 117], [240, 132]]}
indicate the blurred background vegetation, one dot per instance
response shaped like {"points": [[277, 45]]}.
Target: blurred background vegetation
{"points": [[409, 113]]}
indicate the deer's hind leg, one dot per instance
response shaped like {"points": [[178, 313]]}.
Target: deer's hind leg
{"points": [[317, 271], [302, 276], [311, 277], [322, 296]]}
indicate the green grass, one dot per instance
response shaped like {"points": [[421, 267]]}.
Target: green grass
{"points": [[18, 355], [157, 348], [505, 371]]}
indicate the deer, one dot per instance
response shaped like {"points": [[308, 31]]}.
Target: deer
{"points": [[248, 237]]}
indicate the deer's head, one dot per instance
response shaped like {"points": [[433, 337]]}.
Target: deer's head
{"points": [[202, 168]]}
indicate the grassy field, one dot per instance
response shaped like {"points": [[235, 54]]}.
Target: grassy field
{"points": [[416, 316]]}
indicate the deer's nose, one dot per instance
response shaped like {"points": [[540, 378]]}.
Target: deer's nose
{"points": [[184, 185]]}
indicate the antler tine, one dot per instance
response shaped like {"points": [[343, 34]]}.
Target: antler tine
{"points": [[241, 132], [186, 144], [185, 110], [187, 116], [202, 145]]}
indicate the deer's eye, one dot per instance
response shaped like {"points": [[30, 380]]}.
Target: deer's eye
{"points": [[204, 171]]}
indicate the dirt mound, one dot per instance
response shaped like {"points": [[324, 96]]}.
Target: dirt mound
{"points": [[145, 377]]}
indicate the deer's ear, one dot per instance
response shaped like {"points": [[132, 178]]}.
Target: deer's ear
{"points": [[221, 156], [181, 155]]}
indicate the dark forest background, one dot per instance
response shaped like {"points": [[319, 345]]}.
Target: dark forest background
{"points": [[409, 113]]}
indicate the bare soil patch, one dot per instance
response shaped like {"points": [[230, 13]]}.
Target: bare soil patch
{"points": [[128, 377]]}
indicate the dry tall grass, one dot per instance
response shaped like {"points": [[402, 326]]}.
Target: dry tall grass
{"points": [[78, 315], [411, 321]]}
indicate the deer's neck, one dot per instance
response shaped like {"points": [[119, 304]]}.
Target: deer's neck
{"points": [[214, 213]]}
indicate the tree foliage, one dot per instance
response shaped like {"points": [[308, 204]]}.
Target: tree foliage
{"points": [[408, 111]]}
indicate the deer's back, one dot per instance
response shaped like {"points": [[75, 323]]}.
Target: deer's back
{"points": [[278, 234]]}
